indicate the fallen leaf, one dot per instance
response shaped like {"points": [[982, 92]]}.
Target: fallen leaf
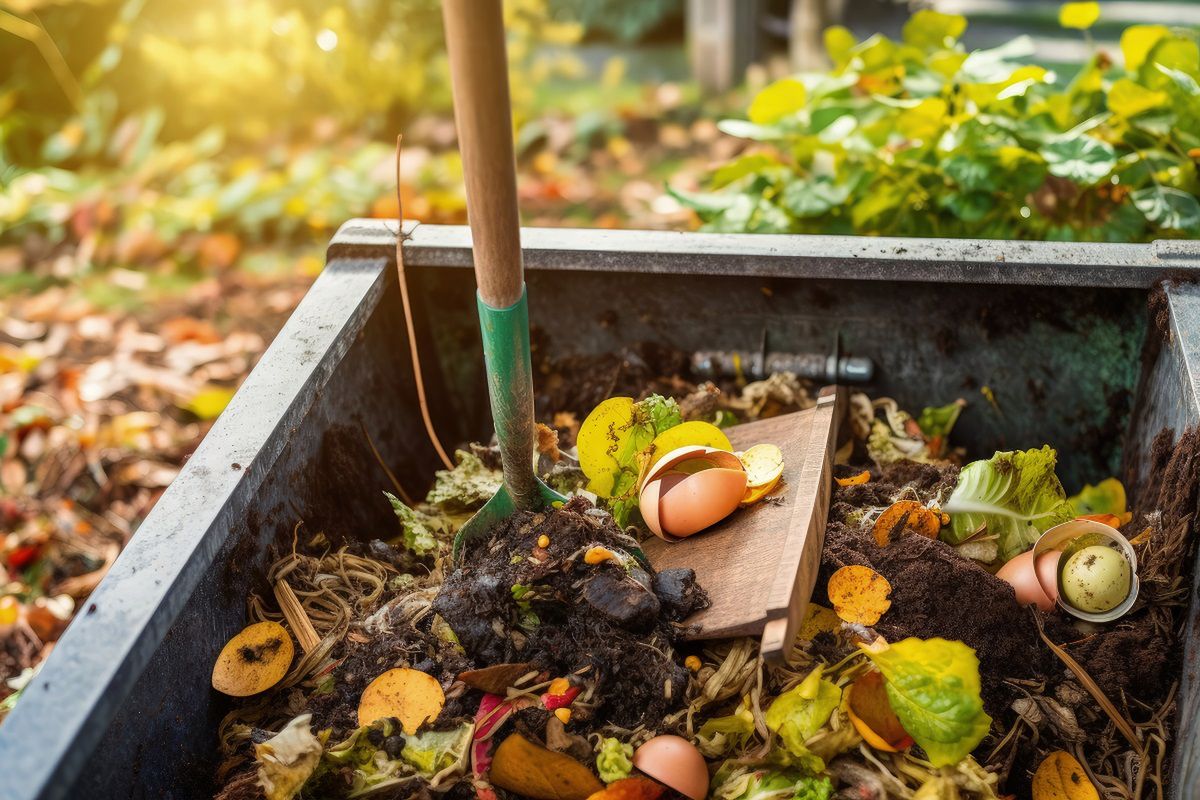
{"points": [[495, 679], [254, 660], [409, 695], [208, 403], [1061, 777], [906, 515], [818, 619], [860, 595], [521, 766], [872, 715]]}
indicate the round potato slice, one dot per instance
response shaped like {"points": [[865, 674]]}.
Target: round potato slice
{"points": [[764, 465], [254, 660], [409, 695]]}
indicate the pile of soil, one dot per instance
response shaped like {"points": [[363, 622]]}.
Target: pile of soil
{"points": [[514, 601], [935, 591]]}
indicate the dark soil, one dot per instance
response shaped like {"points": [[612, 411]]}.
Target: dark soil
{"points": [[614, 620], [935, 591]]}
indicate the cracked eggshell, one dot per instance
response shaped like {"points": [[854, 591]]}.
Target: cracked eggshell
{"points": [[1023, 573], [691, 503], [676, 762], [675, 458]]}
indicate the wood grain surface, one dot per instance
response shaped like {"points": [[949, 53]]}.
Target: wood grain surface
{"points": [[760, 563]]}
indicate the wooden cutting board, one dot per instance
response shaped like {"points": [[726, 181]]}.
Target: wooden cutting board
{"points": [[759, 564]]}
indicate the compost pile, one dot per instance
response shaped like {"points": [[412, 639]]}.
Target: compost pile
{"points": [[550, 661]]}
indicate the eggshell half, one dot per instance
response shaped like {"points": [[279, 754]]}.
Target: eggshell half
{"points": [[1020, 573], [700, 500], [718, 458], [650, 500], [1047, 573], [676, 762]]}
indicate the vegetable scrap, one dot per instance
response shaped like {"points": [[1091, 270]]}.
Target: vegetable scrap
{"points": [[941, 655]]}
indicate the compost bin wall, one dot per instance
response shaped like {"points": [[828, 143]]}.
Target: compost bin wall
{"points": [[123, 706]]}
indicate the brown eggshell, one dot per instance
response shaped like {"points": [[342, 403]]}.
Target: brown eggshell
{"points": [[697, 501], [651, 500], [1020, 573], [676, 762], [719, 458], [1047, 573]]}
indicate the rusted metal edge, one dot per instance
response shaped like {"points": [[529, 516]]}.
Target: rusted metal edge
{"points": [[794, 256]]}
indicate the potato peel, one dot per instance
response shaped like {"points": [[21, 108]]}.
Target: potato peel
{"points": [[906, 515], [764, 465], [854, 480], [756, 493], [859, 595], [521, 766], [254, 660], [409, 695]]}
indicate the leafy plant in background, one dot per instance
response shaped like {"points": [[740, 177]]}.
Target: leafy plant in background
{"points": [[626, 20], [921, 138]]}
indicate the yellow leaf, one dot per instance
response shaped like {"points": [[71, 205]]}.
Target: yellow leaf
{"points": [[409, 695], [1080, 16], [254, 660], [781, 99], [818, 619], [602, 438], [1061, 777], [838, 43], [924, 121], [1137, 41], [614, 72], [1128, 99], [210, 402], [689, 434]]}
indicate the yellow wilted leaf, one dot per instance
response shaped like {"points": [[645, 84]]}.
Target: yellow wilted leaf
{"points": [[905, 515], [1137, 41], [602, 439], [838, 43], [522, 766], [210, 402], [782, 98], [1080, 16], [254, 660], [924, 121], [818, 619], [871, 714], [1061, 777], [692, 433], [409, 695], [859, 594]]}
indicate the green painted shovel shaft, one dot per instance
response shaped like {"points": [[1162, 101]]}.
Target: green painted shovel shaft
{"points": [[510, 388]]}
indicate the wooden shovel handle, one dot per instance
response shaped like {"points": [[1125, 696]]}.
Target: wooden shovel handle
{"points": [[479, 72]]}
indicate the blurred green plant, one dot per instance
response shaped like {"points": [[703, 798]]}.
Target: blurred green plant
{"points": [[625, 20], [921, 138]]}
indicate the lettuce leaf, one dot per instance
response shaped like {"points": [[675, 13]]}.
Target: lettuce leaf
{"points": [[466, 487], [735, 781], [1106, 497], [1015, 495], [287, 760], [720, 735], [417, 530], [933, 686], [800, 712]]}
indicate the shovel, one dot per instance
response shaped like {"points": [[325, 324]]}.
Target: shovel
{"points": [[479, 75]]}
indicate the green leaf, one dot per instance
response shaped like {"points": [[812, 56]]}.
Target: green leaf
{"points": [[1168, 207], [1085, 160], [749, 164], [1181, 79], [801, 711], [1079, 16], [466, 487], [744, 129], [933, 686], [968, 206], [932, 30], [1128, 99], [778, 100], [662, 412], [939, 420], [430, 752], [812, 198], [1137, 41], [1015, 495], [416, 529], [971, 172], [996, 65], [739, 781]]}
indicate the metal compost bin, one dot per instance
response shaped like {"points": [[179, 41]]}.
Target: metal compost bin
{"points": [[1057, 332]]}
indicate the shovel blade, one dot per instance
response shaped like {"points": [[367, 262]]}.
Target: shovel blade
{"points": [[495, 511]]}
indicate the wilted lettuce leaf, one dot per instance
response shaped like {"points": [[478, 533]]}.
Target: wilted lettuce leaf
{"points": [[416, 529], [466, 487], [1016, 495], [735, 781], [721, 735], [287, 759], [933, 686], [1106, 497], [433, 751], [800, 712]]}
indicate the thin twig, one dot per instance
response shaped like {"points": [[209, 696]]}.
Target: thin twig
{"points": [[408, 322], [391, 475]]}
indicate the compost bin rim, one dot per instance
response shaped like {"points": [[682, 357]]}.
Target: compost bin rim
{"points": [[876, 258], [66, 709]]}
